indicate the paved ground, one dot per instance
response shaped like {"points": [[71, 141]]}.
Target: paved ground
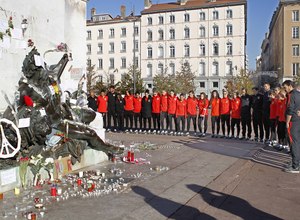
{"points": [[207, 179]]}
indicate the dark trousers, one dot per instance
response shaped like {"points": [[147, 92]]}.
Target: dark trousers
{"points": [[182, 120], [215, 120], [266, 122], [120, 120], [273, 125], [171, 119], [137, 120], [163, 119], [235, 122], [129, 119], [281, 132], [246, 126], [202, 123], [225, 119], [258, 124], [111, 117], [104, 116], [294, 131], [193, 118], [145, 123], [156, 121]]}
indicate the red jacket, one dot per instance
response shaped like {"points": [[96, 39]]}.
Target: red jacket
{"points": [[137, 104], [236, 106], [156, 104], [273, 109], [129, 103], [102, 104], [164, 103], [281, 108], [203, 107], [181, 108], [172, 101], [225, 106], [215, 106], [28, 101], [191, 106]]}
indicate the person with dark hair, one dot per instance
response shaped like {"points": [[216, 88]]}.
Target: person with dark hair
{"points": [[92, 101], [273, 118], [293, 125], [147, 111], [225, 113], [246, 114], [120, 112], [181, 114], [191, 104], [235, 115], [164, 112], [128, 111], [156, 111], [102, 106], [281, 128], [257, 112], [215, 113], [111, 114], [266, 111], [172, 101], [203, 104], [137, 104]]}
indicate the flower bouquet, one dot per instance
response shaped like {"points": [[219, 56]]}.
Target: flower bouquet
{"points": [[24, 161], [36, 163]]}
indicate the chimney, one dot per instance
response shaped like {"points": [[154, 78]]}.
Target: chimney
{"points": [[147, 4], [123, 11], [93, 12], [182, 2]]}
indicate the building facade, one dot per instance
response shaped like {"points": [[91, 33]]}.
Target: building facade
{"points": [[210, 35], [113, 44], [280, 50]]}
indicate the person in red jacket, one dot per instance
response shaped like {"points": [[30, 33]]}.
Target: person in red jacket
{"points": [[164, 112], [172, 101], [281, 129], [128, 114], [215, 112], [236, 115], [225, 113], [102, 106], [203, 104], [180, 114], [156, 111], [273, 117], [191, 106], [137, 107]]}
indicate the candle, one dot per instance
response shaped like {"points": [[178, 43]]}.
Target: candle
{"points": [[98, 172], [36, 200], [79, 182], [1, 196], [132, 157], [17, 191], [103, 174], [53, 191], [129, 155], [80, 174], [59, 191], [33, 216]]}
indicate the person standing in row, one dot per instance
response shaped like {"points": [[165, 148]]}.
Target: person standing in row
{"points": [[111, 111], [273, 117], [181, 114], [102, 106], [156, 111], [164, 112], [215, 113], [128, 111], [257, 112], [172, 102], [120, 112], [92, 101], [225, 113], [266, 112], [192, 104], [293, 125], [147, 111], [281, 128], [235, 115], [203, 104], [246, 114], [137, 104]]}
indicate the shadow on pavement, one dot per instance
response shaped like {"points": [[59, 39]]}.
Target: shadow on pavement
{"points": [[229, 203], [167, 207]]}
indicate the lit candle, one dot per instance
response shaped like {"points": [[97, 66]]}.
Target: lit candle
{"points": [[1, 196], [98, 172], [80, 174], [53, 191], [79, 182], [59, 191], [17, 191]]}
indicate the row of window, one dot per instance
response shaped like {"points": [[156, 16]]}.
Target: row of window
{"points": [[112, 47], [112, 33], [295, 15], [295, 32], [186, 32], [201, 70], [202, 50], [186, 17], [112, 63]]}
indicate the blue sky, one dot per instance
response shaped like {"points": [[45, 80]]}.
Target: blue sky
{"points": [[259, 16]]}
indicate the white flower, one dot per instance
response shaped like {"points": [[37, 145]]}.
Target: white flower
{"points": [[49, 160]]}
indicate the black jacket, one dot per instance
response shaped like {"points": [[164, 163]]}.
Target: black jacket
{"points": [[293, 105], [92, 103], [146, 107], [111, 104], [119, 106], [257, 104], [266, 104], [246, 105]]}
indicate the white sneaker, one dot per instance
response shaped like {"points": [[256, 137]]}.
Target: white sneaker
{"points": [[158, 132], [115, 130], [130, 130], [140, 131], [154, 131], [171, 132], [187, 133], [126, 130], [149, 131]]}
